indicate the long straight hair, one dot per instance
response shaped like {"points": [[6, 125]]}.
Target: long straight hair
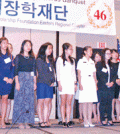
{"points": [[103, 58], [22, 48], [41, 53], [66, 46], [7, 50]]}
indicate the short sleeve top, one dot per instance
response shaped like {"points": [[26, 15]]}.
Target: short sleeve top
{"points": [[86, 67], [24, 64]]}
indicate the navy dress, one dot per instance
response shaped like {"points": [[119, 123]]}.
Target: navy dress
{"points": [[6, 70]]}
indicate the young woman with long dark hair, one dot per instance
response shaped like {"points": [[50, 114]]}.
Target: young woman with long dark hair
{"points": [[11, 95], [115, 101], [66, 78], [6, 76], [96, 112], [25, 84], [106, 76], [87, 84], [45, 82]]}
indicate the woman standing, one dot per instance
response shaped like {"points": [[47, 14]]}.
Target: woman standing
{"points": [[25, 80], [11, 95], [115, 101], [106, 76], [96, 112], [87, 84], [45, 82], [6, 76], [66, 78]]}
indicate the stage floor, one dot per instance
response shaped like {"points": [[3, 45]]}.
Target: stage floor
{"points": [[58, 129]]}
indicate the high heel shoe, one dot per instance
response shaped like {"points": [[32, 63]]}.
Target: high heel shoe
{"points": [[91, 125], [104, 124], [64, 124], [69, 124], [110, 123], [86, 125]]}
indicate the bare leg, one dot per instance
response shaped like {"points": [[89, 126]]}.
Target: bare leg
{"points": [[113, 107], [63, 106], [50, 108], [68, 106], [40, 110], [46, 110], [80, 112], [117, 109], [8, 111], [4, 108], [90, 113], [85, 113], [94, 112], [98, 111]]}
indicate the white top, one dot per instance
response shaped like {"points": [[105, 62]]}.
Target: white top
{"points": [[108, 68], [66, 75], [86, 67]]}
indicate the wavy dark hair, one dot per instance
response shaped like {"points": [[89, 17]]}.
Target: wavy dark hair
{"points": [[103, 57], [65, 46], [22, 48], [94, 54], [85, 49], [41, 53], [114, 50], [7, 50]]}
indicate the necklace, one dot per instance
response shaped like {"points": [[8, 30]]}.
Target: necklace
{"points": [[26, 57]]}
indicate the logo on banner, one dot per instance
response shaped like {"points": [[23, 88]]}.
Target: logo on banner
{"points": [[101, 45], [100, 18]]}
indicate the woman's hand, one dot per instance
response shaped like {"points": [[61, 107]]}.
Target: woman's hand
{"points": [[80, 87], [18, 86], [52, 85], [5, 79], [109, 84], [35, 86], [96, 87], [75, 88], [59, 87], [10, 81], [118, 81]]}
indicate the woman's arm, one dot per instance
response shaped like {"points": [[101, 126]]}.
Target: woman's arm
{"points": [[16, 73], [17, 83], [95, 78], [79, 80], [58, 72]]}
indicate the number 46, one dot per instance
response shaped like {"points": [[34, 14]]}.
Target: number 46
{"points": [[100, 15]]}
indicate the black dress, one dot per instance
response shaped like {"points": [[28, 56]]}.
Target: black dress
{"points": [[116, 91]]}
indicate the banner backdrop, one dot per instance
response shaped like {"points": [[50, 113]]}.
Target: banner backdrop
{"points": [[82, 16]]}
